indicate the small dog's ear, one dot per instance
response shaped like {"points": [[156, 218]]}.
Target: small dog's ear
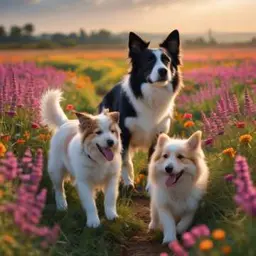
{"points": [[172, 45], [105, 111], [162, 139], [114, 116], [136, 44], [194, 141], [84, 119]]}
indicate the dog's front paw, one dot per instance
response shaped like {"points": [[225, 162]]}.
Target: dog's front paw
{"points": [[152, 226], [111, 214], [148, 188], [181, 228], [61, 202], [169, 238], [93, 222]]}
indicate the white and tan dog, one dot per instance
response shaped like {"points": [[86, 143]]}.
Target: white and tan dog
{"points": [[89, 149], [178, 177]]}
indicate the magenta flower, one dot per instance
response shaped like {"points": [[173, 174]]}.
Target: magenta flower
{"points": [[245, 191], [177, 249], [188, 239], [19, 88], [229, 177], [29, 201]]}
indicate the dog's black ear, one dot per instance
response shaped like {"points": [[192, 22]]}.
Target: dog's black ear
{"points": [[136, 44], [172, 45]]}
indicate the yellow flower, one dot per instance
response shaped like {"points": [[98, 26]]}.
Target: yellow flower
{"points": [[9, 239], [189, 124], [2, 149], [26, 135], [230, 152], [206, 245], [178, 116], [218, 234], [226, 249], [1, 193], [246, 138]]}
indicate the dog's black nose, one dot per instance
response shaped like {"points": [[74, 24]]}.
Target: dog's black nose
{"points": [[162, 72], [110, 143], [169, 169]]}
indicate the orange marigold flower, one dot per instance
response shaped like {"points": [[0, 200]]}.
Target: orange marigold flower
{"points": [[206, 245], [21, 141], [137, 181], [26, 135], [2, 179], [48, 136], [187, 116], [230, 152], [80, 86], [69, 107], [246, 138], [226, 249], [189, 124], [9, 239], [2, 149], [41, 136], [240, 124], [142, 176], [70, 74], [219, 234]]}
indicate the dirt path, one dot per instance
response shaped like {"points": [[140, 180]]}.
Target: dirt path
{"points": [[143, 243]]}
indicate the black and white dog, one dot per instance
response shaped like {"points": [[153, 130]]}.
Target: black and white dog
{"points": [[145, 98]]}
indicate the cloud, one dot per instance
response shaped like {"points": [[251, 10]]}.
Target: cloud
{"points": [[32, 1]]}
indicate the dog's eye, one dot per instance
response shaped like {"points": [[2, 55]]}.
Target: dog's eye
{"points": [[99, 132], [113, 131], [165, 59], [165, 156], [180, 156]]}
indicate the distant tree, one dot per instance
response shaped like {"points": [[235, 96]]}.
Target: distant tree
{"points": [[15, 33], [83, 37], [73, 36], [2, 31], [253, 40], [212, 40], [28, 29], [102, 36]]}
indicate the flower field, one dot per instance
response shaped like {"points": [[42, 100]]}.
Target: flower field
{"points": [[219, 98]]}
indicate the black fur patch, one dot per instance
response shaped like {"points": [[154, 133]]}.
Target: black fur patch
{"points": [[117, 100]]}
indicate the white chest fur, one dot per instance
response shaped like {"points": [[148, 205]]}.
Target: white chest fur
{"points": [[153, 112]]}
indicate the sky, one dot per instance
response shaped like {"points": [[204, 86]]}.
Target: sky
{"points": [[153, 16]]}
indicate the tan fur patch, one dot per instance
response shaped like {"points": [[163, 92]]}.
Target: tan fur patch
{"points": [[115, 128], [114, 116], [89, 130]]}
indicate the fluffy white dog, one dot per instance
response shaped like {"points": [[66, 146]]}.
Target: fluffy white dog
{"points": [[89, 149], [178, 177]]}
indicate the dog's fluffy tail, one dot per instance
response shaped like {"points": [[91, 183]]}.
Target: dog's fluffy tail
{"points": [[51, 111]]}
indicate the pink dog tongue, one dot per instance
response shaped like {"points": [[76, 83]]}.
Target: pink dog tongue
{"points": [[108, 153], [170, 180]]}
